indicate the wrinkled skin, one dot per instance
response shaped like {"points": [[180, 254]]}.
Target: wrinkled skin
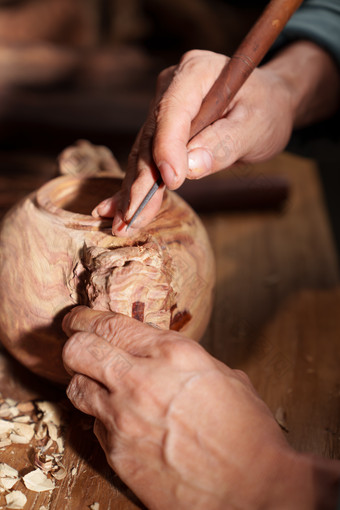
{"points": [[254, 127], [179, 427]]}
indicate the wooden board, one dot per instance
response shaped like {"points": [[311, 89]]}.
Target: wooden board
{"points": [[276, 316]]}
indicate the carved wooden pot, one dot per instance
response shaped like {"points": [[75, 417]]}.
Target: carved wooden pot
{"points": [[55, 255]]}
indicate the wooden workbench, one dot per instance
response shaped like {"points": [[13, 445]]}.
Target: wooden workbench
{"points": [[276, 316]]}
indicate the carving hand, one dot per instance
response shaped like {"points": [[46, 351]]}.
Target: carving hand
{"points": [[248, 131], [256, 125], [180, 428]]}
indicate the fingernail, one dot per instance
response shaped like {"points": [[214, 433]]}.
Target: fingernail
{"points": [[95, 213], [103, 208], [199, 162], [118, 223], [170, 177]]}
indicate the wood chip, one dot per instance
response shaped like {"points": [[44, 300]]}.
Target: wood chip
{"points": [[26, 407], [44, 462], [94, 506], [61, 473], [52, 430], [51, 412], [5, 442], [21, 433], [8, 412], [6, 470], [7, 483], [8, 476], [73, 471], [23, 419], [16, 499], [37, 481], [60, 443], [18, 432], [5, 427], [11, 402], [41, 430], [47, 445]]}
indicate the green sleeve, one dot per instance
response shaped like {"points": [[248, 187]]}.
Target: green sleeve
{"points": [[317, 21]]}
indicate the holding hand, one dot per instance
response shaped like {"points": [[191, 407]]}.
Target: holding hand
{"points": [[179, 427]]}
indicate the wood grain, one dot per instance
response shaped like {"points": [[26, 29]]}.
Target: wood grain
{"points": [[276, 316], [55, 255]]}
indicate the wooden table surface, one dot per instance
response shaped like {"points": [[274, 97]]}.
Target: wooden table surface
{"points": [[276, 316]]}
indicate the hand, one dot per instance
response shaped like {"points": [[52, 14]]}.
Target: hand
{"points": [[247, 132], [180, 428], [256, 125]]}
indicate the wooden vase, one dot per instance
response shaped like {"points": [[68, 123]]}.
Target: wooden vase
{"points": [[55, 255]]}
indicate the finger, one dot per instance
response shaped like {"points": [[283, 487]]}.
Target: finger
{"points": [[100, 431], [142, 172], [106, 208], [179, 105], [221, 144], [132, 336], [140, 177], [86, 394], [91, 355]]}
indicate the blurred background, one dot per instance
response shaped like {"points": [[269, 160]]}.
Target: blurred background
{"points": [[73, 69]]}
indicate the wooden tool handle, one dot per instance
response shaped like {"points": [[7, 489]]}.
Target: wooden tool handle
{"points": [[248, 55]]}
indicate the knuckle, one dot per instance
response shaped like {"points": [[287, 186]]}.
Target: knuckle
{"points": [[181, 351], [164, 76], [242, 376], [75, 388], [106, 325], [191, 55], [72, 345]]}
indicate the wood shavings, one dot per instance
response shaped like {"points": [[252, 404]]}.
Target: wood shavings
{"points": [[281, 418], [94, 506], [50, 464], [52, 430], [21, 423], [51, 412], [26, 407], [8, 476], [5, 426], [61, 473], [60, 443], [23, 432], [47, 445], [37, 481], [17, 432], [22, 419], [73, 471], [5, 441], [41, 430], [11, 402], [16, 499], [44, 462], [8, 412]]}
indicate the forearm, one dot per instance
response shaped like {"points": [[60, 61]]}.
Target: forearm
{"points": [[312, 78]]}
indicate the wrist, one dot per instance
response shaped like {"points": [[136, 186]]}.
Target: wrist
{"points": [[311, 78]]}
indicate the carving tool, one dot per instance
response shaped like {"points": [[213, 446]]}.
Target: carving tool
{"points": [[233, 75]]}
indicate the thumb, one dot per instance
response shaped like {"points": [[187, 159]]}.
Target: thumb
{"points": [[217, 147]]}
